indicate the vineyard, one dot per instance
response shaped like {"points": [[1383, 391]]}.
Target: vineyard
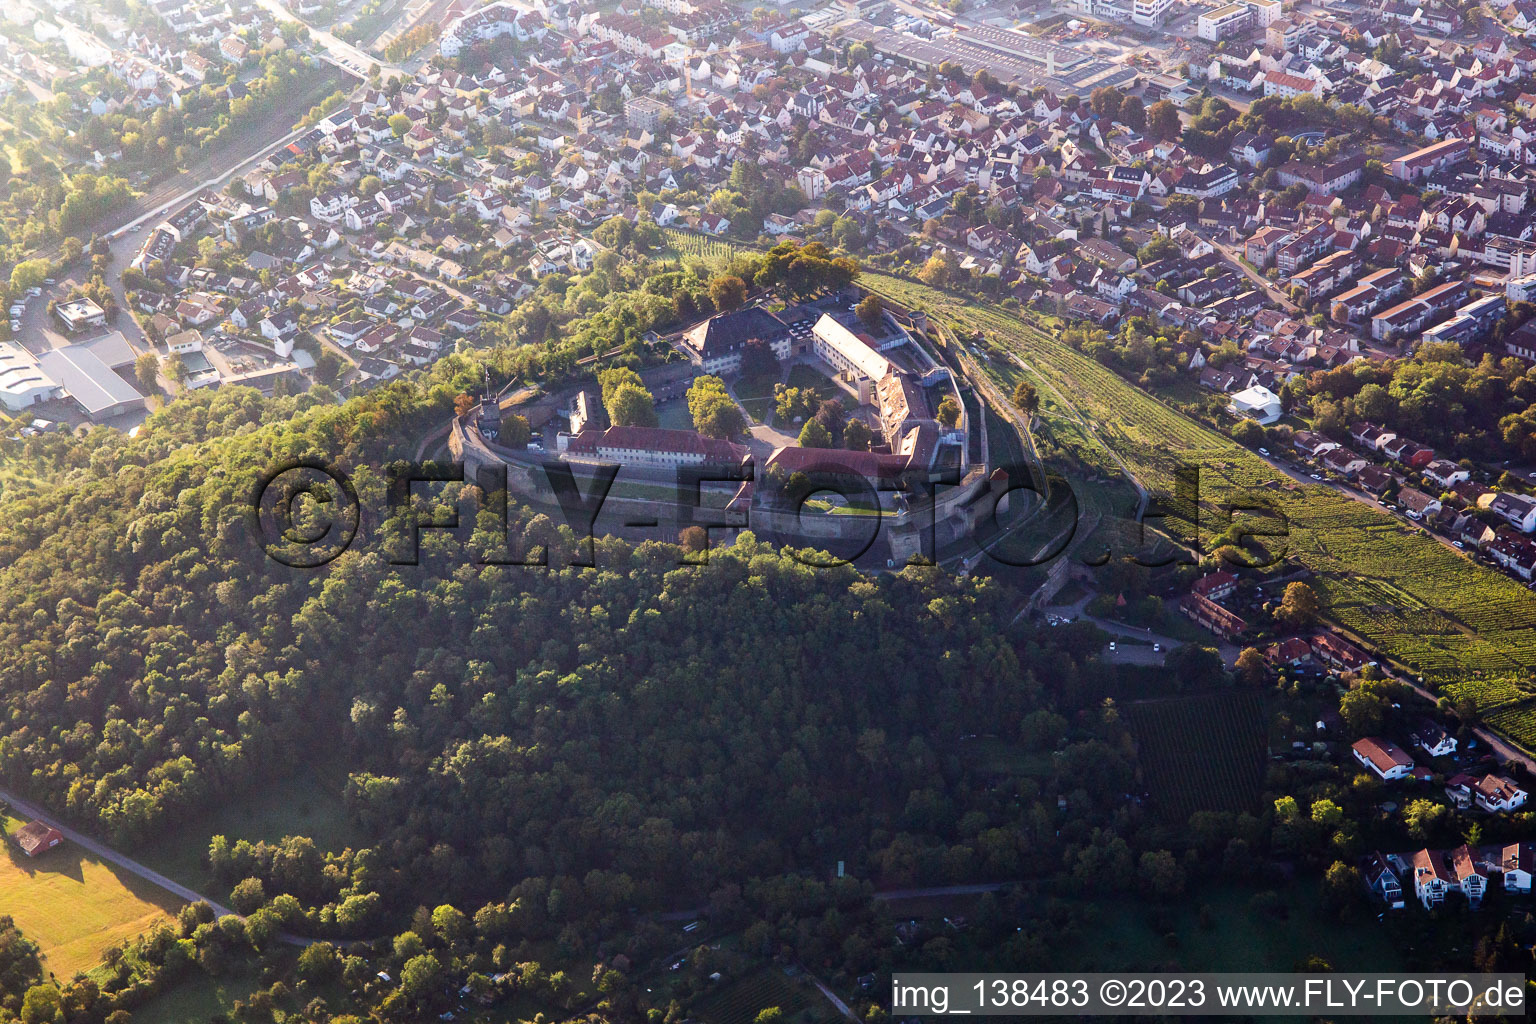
{"points": [[1420, 603], [691, 245], [1202, 753], [741, 1001], [1517, 721], [1487, 694]]}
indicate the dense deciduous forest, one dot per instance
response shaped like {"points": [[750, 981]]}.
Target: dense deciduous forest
{"points": [[503, 723], [555, 747]]}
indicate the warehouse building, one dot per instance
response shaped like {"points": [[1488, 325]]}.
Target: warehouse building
{"points": [[88, 373], [22, 382]]}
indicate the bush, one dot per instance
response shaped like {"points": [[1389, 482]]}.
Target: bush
{"points": [[1248, 433]]}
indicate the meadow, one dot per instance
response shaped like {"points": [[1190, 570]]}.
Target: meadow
{"points": [[1225, 927], [73, 905], [307, 802]]}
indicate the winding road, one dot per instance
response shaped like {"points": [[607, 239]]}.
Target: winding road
{"points": [[27, 809]]}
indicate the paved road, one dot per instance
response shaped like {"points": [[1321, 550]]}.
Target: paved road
{"points": [[106, 853], [338, 51], [1502, 748], [974, 889], [1140, 652], [27, 809], [1303, 476], [1259, 281], [127, 227], [832, 998]]}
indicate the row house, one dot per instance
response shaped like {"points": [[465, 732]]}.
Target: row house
{"points": [[1413, 315], [1369, 294], [1436, 873], [1304, 248], [1212, 616], [1327, 274]]}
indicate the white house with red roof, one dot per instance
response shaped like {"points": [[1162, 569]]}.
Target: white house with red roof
{"points": [[1385, 758]]}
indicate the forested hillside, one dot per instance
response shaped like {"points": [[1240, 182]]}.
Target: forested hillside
{"points": [[674, 727]]}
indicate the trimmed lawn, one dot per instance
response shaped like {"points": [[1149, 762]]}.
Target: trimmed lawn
{"points": [[802, 376], [756, 395], [75, 906], [674, 415], [198, 997]]}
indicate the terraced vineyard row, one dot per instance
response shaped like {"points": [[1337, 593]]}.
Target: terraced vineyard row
{"points": [[1420, 603], [1202, 753], [741, 1001], [1517, 721], [1488, 693], [691, 245]]}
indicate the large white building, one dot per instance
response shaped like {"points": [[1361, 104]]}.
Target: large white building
{"points": [[88, 374], [1265, 12], [490, 22], [1286, 86], [651, 448], [1223, 22], [846, 352], [1150, 13], [1257, 403], [22, 381]]}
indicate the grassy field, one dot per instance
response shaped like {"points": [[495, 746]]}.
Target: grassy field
{"points": [[1201, 753], [739, 1002], [674, 415], [75, 906], [199, 997], [808, 379], [991, 755], [306, 803], [1423, 605], [756, 395]]}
